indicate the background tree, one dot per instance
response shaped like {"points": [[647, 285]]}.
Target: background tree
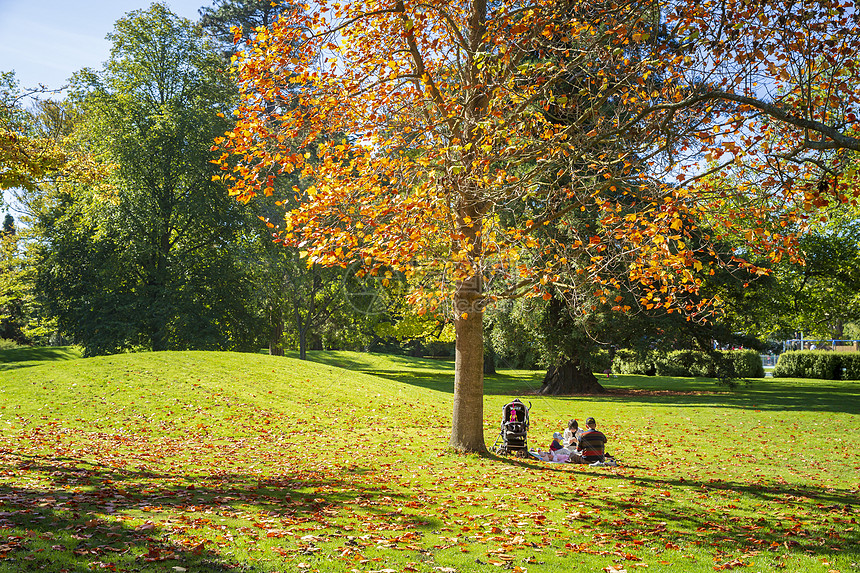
{"points": [[25, 158], [149, 257], [817, 295], [815, 292], [11, 285], [445, 110], [33, 155], [219, 19], [300, 306], [296, 302]]}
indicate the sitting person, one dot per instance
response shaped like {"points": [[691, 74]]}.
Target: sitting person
{"points": [[591, 444], [557, 453], [571, 435], [556, 442]]}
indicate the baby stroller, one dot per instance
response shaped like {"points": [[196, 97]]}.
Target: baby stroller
{"points": [[515, 429]]}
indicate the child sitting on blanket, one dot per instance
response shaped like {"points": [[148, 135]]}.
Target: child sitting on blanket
{"points": [[557, 452], [557, 456]]}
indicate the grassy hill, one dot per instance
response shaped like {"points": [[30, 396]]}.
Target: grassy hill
{"points": [[199, 461]]}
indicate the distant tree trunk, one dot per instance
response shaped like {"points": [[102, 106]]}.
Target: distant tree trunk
{"points": [[303, 344], [489, 360], [275, 337], [838, 329], [570, 378]]}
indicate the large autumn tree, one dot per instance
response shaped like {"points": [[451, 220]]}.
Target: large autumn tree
{"points": [[472, 125]]}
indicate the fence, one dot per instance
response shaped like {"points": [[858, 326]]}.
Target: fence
{"points": [[822, 344]]}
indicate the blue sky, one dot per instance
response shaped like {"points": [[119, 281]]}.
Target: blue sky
{"points": [[46, 41]]}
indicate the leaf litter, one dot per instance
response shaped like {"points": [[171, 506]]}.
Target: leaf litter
{"points": [[218, 476]]}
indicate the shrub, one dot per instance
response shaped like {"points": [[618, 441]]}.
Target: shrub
{"points": [[664, 366], [693, 363], [747, 363], [789, 365], [598, 361], [631, 362], [7, 344], [850, 365], [702, 365]]}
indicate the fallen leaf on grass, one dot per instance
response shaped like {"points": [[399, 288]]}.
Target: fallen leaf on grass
{"points": [[155, 554], [730, 565]]}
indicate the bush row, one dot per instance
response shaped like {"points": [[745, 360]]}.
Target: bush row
{"points": [[818, 364], [693, 363]]}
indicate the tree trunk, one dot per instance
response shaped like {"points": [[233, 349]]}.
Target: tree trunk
{"points": [[467, 424], [838, 329], [275, 337], [489, 361], [570, 378], [303, 344]]}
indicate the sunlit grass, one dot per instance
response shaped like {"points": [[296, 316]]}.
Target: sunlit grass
{"points": [[226, 462]]}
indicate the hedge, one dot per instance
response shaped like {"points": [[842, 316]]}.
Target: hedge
{"points": [[690, 363], [820, 364], [850, 366]]}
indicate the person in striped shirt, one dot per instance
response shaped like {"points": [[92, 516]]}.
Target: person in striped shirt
{"points": [[592, 443]]}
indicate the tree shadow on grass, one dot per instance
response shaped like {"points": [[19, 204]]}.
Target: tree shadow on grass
{"points": [[661, 518], [70, 515], [34, 355], [766, 397], [761, 394], [828, 398], [430, 373], [769, 395], [776, 529]]}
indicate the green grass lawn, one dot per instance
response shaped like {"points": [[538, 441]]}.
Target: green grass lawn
{"points": [[197, 461]]}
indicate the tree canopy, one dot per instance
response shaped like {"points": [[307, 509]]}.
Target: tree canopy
{"points": [[454, 132], [25, 158]]}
